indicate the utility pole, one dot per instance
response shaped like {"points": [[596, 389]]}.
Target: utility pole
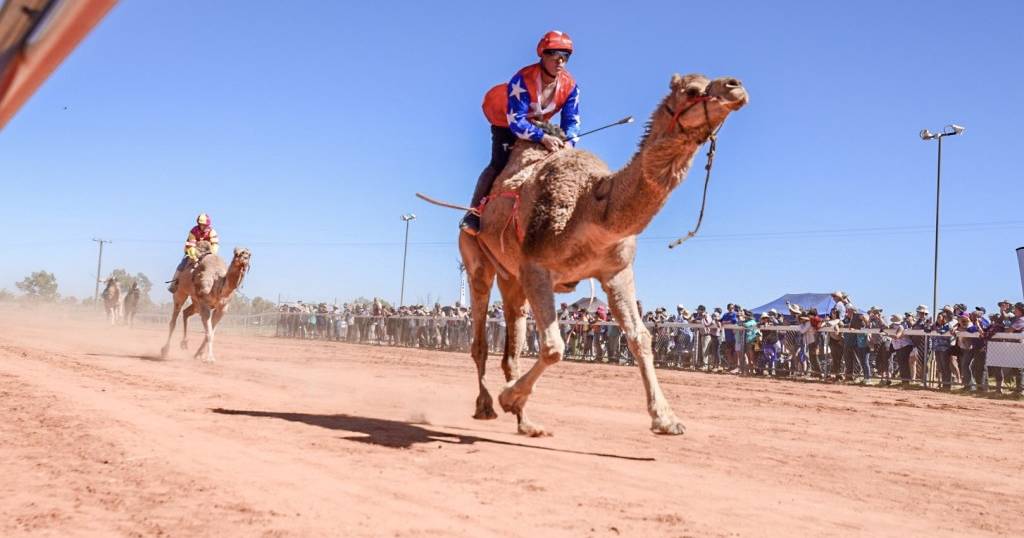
{"points": [[99, 265]]}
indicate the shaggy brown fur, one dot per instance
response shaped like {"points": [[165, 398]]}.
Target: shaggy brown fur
{"points": [[580, 221]]}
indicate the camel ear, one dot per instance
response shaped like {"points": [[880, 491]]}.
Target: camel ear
{"points": [[676, 83]]}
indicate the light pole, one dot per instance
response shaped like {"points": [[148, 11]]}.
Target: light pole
{"points": [[949, 130], [405, 253]]}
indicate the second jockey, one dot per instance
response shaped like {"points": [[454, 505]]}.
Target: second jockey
{"points": [[536, 93], [202, 231]]}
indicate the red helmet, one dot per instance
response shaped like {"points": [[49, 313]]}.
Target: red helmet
{"points": [[204, 220], [554, 40]]}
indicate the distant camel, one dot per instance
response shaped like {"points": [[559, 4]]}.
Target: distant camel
{"points": [[210, 284], [112, 300], [131, 304]]}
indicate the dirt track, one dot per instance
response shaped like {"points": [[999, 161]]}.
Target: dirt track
{"points": [[292, 438]]}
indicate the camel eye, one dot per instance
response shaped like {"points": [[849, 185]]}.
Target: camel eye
{"points": [[692, 92]]}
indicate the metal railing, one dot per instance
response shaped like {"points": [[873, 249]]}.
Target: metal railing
{"points": [[833, 354]]}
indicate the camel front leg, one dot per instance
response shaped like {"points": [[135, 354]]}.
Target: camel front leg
{"points": [[621, 290], [205, 315], [537, 287], [514, 304], [480, 275]]}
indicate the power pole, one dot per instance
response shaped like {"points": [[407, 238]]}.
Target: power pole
{"points": [[99, 264]]}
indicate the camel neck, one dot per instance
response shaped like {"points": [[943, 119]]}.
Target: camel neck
{"points": [[640, 189], [233, 278]]}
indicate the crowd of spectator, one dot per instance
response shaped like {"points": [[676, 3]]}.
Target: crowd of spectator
{"points": [[844, 345]]}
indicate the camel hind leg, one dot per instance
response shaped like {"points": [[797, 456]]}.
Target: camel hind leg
{"points": [[537, 285], [480, 274], [187, 313], [178, 301], [514, 303]]}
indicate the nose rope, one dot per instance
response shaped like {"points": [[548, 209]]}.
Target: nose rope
{"points": [[712, 146]]}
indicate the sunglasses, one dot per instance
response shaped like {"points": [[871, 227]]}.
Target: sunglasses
{"points": [[563, 54]]}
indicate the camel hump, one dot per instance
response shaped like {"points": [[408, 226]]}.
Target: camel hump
{"points": [[203, 247]]}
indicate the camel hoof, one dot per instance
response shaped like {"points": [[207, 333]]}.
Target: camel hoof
{"points": [[164, 352], [511, 401], [533, 430], [184, 345], [485, 414], [485, 408], [667, 426]]}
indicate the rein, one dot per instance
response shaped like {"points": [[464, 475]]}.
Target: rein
{"points": [[713, 139]]}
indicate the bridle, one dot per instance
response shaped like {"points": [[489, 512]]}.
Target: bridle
{"points": [[712, 138], [687, 105]]}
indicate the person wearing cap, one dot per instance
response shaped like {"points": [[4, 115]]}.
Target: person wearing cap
{"points": [[901, 346], [600, 332], [534, 95], [855, 346], [805, 339], [965, 330], [832, 356], [682, 337], [713, 322], [879, 345], [769, 340], [923, 322], [747, 356], [842, 301], [730, 317], [978, 347], [202, 231], [941, 343]]}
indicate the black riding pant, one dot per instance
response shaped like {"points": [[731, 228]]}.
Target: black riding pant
{"points": [[502, 141]]}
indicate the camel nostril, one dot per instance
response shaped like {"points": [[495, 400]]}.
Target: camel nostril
{"points": [[733, 83]]}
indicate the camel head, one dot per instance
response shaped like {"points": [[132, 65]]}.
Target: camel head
{"points": [[695, 107], [241, 260]]}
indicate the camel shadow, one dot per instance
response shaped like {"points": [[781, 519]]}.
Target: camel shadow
{"points": [[144, 357], [396, 434]]}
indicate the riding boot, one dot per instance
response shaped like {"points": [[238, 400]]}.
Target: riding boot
{"points": [[471, 221], [174, 282]]}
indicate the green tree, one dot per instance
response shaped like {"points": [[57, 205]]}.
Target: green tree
{"points": [[240, 304], [259, 304], [39, 286], [126, 279]]}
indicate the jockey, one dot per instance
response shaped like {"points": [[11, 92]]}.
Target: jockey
{"points": [[535, 93], [202, 231]]}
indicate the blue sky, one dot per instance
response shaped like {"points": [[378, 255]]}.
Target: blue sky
{"points": [[304, 128]]}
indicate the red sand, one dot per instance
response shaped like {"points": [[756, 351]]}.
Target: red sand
{"points": [[294, 438]]}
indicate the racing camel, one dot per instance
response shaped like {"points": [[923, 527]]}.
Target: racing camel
{"points": [[112, 300], [552, 220], [210, 284]]}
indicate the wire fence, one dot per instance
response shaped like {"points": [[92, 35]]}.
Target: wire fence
{"points": [[831, 355]]}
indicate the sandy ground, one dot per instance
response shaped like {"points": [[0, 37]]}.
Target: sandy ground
{"points": [[293, 438]]}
